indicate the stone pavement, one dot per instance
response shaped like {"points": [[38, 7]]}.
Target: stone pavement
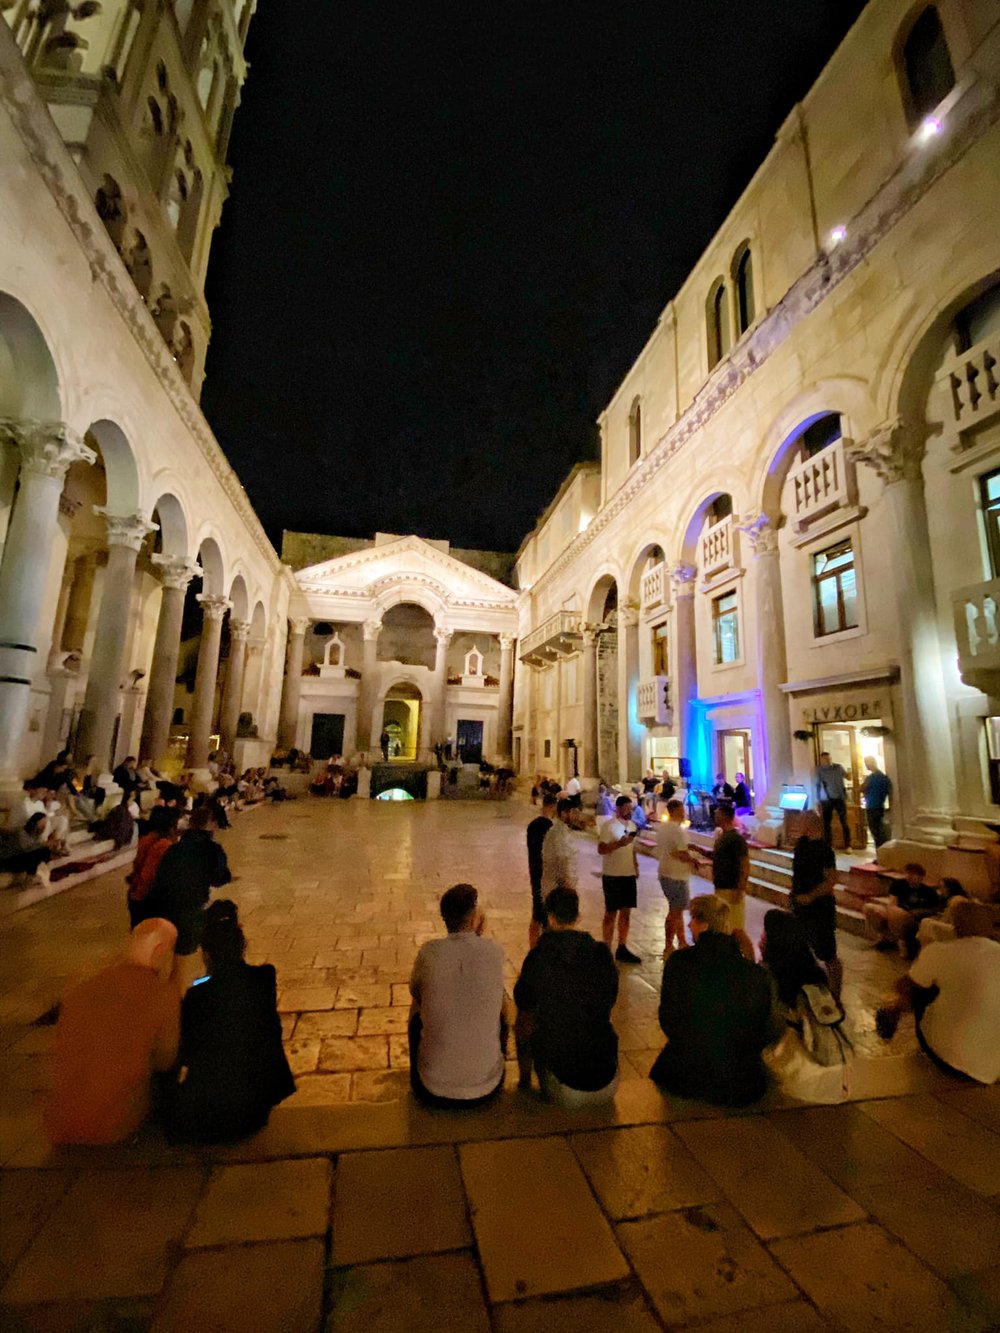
{"points": [[357, 1210]]}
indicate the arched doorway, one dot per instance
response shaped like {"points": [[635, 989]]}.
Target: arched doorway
{"points": [[399, 735]]}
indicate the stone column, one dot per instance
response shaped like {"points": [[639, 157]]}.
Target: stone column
{"points": [[292, 692], [46, 451], [629, 729], [78, 610], [505, 713], [126, 534], [59, 619], [203, 706], [439, 689], [370, 631], [684, 689], [589, 760], [926, 785], [772, 663], [232, 695], [176, 573]]}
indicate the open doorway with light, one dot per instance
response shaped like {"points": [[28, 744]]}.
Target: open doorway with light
{"points": [[850, 744], [400, 732]]}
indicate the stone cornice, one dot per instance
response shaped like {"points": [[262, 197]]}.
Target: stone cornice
{"points": [[45, 147], [898, 195]]}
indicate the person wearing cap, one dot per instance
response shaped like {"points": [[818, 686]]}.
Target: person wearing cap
{"points": [[115, 1031]]}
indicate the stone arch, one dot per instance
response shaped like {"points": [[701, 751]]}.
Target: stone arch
{"points": [[387, 593], [213, 566], [29, 383], [602, 586], [407, 634], [258, 621], [120, 467], [240, 598], [637, 564], [168, 513], [696, 523]]}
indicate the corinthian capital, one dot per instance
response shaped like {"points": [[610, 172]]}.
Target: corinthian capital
{"points": [[371, 629], [895, 450], [299, 624], [126, 529], [683, 577], [761, 533], [507, 642], [239, 629], [213, 607], [47, 448], [176, 571], [443, 634]]}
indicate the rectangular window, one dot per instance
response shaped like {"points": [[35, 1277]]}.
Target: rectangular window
{"points": [[548, 749], [990, 491], [661, 651], [726, 628], [835, 589]]}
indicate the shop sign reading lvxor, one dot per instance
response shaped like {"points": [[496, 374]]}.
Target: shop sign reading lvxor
{"points": [[849, 712]]}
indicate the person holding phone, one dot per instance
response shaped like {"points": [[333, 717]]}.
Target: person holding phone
{"points": [[619, 877]]}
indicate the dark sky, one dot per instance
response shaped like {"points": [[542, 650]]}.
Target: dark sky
{"points": [[452, 228]]}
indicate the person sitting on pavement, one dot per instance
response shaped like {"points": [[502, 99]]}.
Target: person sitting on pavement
{"points": [[716, 1013], [39, 800], [814, 874], [115, 1031], [127, 777], [118, 825], [619, 876], [953, 988], [189, 871], [559, 850], [564, 996], [153, 846], [57, 773], [457, 1027], [23, 850], [231, 1066], [897, 922]]}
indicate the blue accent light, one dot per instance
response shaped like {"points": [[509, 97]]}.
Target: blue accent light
{"points": [[699, 733]]}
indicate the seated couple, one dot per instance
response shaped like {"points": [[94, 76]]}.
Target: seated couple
{"points": [[564, 997], [213, 1065]]}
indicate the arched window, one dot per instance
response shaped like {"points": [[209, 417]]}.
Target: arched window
{"points": [[635, 432], [743, 278], [819, 434], [720, 508], [719, 339], [926, 66]]}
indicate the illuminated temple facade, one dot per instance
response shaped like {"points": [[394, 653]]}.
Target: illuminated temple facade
{"points": [[791, 542]]}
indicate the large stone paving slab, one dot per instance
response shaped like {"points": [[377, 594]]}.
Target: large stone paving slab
{"points": [[264, 1201], [275, 1288], [537, 1225], [641, 1170], [440, 1293], [391, 1205], [849, 1146], [962, 1147], [26, 1199], [110, 1235], [617, 1309]]}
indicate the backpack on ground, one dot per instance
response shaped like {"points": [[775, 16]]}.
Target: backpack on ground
{"points": [[823, 1034]]}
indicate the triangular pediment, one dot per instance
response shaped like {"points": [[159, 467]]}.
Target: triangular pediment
{"points": [[406, 561]]}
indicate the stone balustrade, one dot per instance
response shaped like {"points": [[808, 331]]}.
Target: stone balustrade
{"points": [[971, 381], [559, 634], [653, 589], [718, 548], [977, 631], [821, 483], [653, 700]]}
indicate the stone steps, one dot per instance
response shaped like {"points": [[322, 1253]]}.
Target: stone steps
{"points": [[93, 858]]}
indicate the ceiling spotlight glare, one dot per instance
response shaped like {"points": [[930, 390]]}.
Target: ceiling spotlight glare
{"points": [[837, 235], [930, 128]]}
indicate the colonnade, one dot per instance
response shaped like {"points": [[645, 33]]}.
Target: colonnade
{"points": [[45, 452]]}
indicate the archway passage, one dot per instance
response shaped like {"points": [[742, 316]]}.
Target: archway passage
{"points": [[399, 736]]}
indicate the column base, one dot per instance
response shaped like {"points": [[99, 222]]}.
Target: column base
{"points": [[433, 784], [364, 782], [936, 828], [11, 793]]}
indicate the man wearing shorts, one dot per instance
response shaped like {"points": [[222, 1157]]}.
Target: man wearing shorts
{"points": [[731, 866], [676, 864], [620, 873], [537, 830]]}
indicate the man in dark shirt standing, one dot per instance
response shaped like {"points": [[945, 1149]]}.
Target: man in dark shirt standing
{"points": [[188, 872], [564, 996], [876, 789], [814, 873], [537, 830], [715, 1011]]}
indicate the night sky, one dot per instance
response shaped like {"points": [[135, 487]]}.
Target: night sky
{"points": [[452, 228]]}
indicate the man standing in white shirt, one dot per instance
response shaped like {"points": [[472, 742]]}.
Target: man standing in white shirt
{"points": [[559, 851], [959, 1026], [575, 792], [676, 864], [620, 876], [456, 1053]]}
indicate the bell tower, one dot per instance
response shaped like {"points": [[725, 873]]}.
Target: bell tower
{"points": [[143, 93]]}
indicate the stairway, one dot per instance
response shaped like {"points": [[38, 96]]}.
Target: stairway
{"points": [[86, 859]]}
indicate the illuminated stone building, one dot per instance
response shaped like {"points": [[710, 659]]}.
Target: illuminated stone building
{"points": [[791, 541]]}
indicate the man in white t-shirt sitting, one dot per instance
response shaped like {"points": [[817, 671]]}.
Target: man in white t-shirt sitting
{"points": [[676, 864], [954, 990], [619, 876], [574, 792], [456, 1042]]}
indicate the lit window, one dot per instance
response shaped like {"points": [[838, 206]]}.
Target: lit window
{"points": [[989, 489], [726, 628], [927, 66], [835, 589], [745, 308], [717, 315], [661, 651]]}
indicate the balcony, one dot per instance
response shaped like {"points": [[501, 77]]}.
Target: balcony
{"points": [[977, 632], [971, 384], [652, 702], [653, 589], [825, 482], [556, 637], [719, 548]]}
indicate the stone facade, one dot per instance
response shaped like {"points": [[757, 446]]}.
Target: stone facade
{"points": [[792, 500]]}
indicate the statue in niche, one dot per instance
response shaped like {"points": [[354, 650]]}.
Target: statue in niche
{"points": [[472, 673], [333, 657], [139, 264]]}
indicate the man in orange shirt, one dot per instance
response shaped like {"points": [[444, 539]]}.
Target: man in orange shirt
{"points": [[114, 1032]]}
